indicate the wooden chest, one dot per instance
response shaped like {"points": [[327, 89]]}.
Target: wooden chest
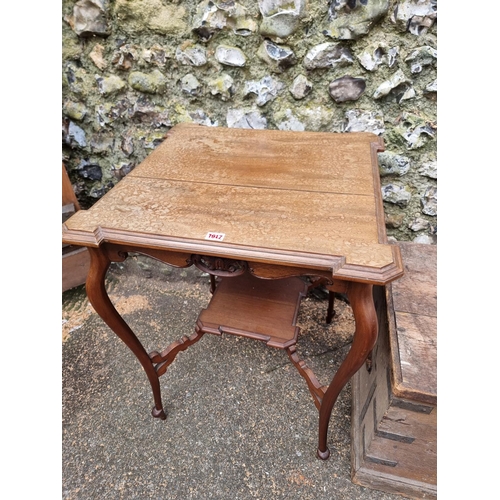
{"points": [[394, 414]]}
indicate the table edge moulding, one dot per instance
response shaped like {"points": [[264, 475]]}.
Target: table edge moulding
{"points": [[264, 203]]}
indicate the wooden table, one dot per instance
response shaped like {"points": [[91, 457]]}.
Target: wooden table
{"points": [[258, 203]]}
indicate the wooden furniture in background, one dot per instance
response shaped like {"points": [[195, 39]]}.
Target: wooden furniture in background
{"points": [[394, 416], [240, 204], [75, 259]]}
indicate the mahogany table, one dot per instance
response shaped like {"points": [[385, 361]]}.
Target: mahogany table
{"points": [[242, 205]]}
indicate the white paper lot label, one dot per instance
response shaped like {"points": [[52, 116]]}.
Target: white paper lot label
{"points": [[215, 236]]}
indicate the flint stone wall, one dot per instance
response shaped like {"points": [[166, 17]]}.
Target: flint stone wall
{"points": [[133, 69]]}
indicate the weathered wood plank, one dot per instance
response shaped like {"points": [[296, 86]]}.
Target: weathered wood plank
{"points": [[412, 310], [408, 440], [418, 357], [416, 291], [393, 483], [75, 267]]}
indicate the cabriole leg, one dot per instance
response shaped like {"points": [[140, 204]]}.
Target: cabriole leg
{"points": [[98, 297], [365, 335]]}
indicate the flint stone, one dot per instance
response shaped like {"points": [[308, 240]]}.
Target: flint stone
{"points": [[211, 17], [347, 88], [107, 113], [351, 19], [191, 55], [281, 18], [122, 169], [397, 195], [75, 110], [418, 224], [110, 85], [208, 19], [431, 90], [238, 118], [424, 239], [393, 221], [415, 16], [300, 87], [376, 55], [230, 56], [96, 55], [236, 16], [328, 55], [421, 57], [125, 56], [432, 87], [199, 116], [429, 169], [279, 57], [415, 134], [364, 121], [190, 84], [152, 83], [150, 114], [89, 170], [244, 26], [89, 18], [398, 84], [155, 55], [393, 164], [223, 86], [270, 8], [76, 134], [266, 89], [429, 201], [102, 143], [127, 145]]}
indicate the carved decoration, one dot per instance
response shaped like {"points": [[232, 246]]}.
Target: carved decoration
{"points": [[115, 254], [219, 266], [118, 253]]}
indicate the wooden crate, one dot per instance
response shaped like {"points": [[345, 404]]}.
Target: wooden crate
{"points": [[394, 414]]}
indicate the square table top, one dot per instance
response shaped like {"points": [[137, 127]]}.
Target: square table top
{"points": [[308, 199]]}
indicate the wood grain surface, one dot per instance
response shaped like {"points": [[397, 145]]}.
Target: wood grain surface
{"points": [[260, 309], [311, 162], [295, 197]]}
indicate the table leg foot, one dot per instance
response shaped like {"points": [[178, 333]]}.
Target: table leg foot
{"points": [[158, 413], [323, 455]]}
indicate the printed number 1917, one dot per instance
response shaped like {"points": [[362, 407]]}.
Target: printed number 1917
{"points": [[215, 236]]}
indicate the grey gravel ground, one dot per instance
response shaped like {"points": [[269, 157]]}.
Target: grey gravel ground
{"points": [[241, 423]]}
